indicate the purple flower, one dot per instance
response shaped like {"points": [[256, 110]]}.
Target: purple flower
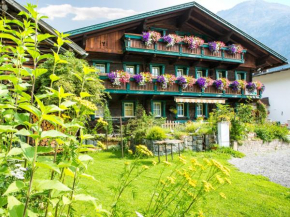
{"points": [[235, 85], [232, 49], [219, 84], [251, 87], [181, 80], [138, 78], [212, 46], [112, 76], [146, 36], [201, 82], [168, 39], [161, 79]]}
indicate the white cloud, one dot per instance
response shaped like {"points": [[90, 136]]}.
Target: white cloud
{"points": [[84, 13]]}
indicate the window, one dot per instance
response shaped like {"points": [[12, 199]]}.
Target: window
{"points": [[155, 71], [240, 75], [180, 110], [130, 69], [100, 111], [101, 68], [199, 110], [221, 74], [179, 72], [157, 109], [129, 109], [199, 74]]}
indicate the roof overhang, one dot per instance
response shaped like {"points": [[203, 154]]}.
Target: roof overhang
{"points": [[199, 100]]}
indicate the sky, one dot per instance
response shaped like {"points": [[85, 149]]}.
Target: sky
{"points": [[65, 15]]}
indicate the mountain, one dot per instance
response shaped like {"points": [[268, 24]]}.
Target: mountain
{"points": [[267, 22]]}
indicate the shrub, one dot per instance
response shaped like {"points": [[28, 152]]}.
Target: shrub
{"points": [[230, 151], [192, 127], [244, 113], [237, 131], [268, 132], [179, 134], [156, 133]]}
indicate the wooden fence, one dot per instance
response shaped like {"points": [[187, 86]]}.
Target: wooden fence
{"points": [[172, 125]]}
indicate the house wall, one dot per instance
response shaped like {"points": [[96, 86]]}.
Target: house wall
{"points": [[277, 89]]}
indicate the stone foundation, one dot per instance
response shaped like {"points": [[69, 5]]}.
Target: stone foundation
{"points": [[193, 143]]}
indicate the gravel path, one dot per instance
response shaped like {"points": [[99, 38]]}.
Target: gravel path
{"points": [[274, 165]]}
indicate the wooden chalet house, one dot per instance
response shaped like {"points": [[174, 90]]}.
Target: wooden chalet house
{"points": [[120, 45]]}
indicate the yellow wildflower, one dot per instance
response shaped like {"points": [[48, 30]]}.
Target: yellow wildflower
{"points": [[145, 167], [171, 179], [200, 213], [167, 163], [182, 160], [127, 163], [228, 181], [207, 186], [220, 180], [162, 182], [207, 161], [130, 152], [192, 183], [223, 195], [154, 163]]}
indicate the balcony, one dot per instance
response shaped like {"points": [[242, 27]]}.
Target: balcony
{"points": [[134, 43], [155, 88]]}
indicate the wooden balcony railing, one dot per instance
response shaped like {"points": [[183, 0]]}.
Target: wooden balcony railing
{"points": [[155, 88], [134, 43]]}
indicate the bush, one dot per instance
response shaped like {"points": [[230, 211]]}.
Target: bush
{"points": [[179, 134], [156, 133], [268, 132], [230, 151], [192, 127]]}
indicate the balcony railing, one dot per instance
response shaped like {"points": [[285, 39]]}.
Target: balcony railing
{"points": [[155, 88], [134, 43]]}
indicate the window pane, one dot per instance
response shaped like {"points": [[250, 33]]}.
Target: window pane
{"points": [[155, 71], [157, 109], [180, 110], [130, 69], [179, 72], [199, 74], [128, 109], [101, 68], [220, 75], [239, 76], [199, 110]]}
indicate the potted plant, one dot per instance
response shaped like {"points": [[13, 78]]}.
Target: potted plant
{"points": [[193, 42], [172, 39], [119, 77], [150, 37], [215, 46], [235, 48]]}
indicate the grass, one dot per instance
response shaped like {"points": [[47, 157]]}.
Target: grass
{"points": [[248, 195]]}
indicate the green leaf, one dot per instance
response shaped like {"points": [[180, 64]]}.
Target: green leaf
{"points": [[41, 185], [32, 109], [53, 119], [28, 151], [41, 105], [7, 129], [54, 77], [48, 165], [78, 76], [52, 134], [68, 172], [11, 78], [15, 151], [14, 187], [24, 132], [34, 54], [68, 103], [87, 136], [15, 207], [84, 158], [87, 176], [65, 200], [83, 197], [52, 109], [45, 36], [38, 72], [43, 149], [85, 94], [8, 36]]}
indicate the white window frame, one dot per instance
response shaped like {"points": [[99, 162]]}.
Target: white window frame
{"points": [[199, 110], [97, 66], [125, 106], [157, 68], [100, 112], [178, 114], [199, 74], [128, 69], [239, 76], [180, 72], [160, 109], [220, 75]]}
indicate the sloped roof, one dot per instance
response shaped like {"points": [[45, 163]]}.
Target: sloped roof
{"points": [[172, 9], [49, 29]]}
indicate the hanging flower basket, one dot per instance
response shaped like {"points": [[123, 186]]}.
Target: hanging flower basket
{"points": [[260, 86], [215, 46], [186, 81], [251, 87], [166, 80], [201, 82], [151, 37], [143, 78], [119, 77], [235, 48], [193, 42], [235, 86], [219, 84], [242, 83], [172, 39]]}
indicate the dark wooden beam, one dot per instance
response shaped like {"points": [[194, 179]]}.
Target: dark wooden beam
{"points": [[143, 26], [234, 66], [203, 28], [262, 61], [226, 37], [150, 58], [183, 18], [173, 61], [214, 65], [195, 62], [124, 56], [84, 41]]}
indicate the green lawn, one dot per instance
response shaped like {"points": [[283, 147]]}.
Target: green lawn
{"points": [[248, 195]]}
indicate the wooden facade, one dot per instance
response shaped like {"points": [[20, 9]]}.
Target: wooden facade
{"points": [[118, 44]]}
